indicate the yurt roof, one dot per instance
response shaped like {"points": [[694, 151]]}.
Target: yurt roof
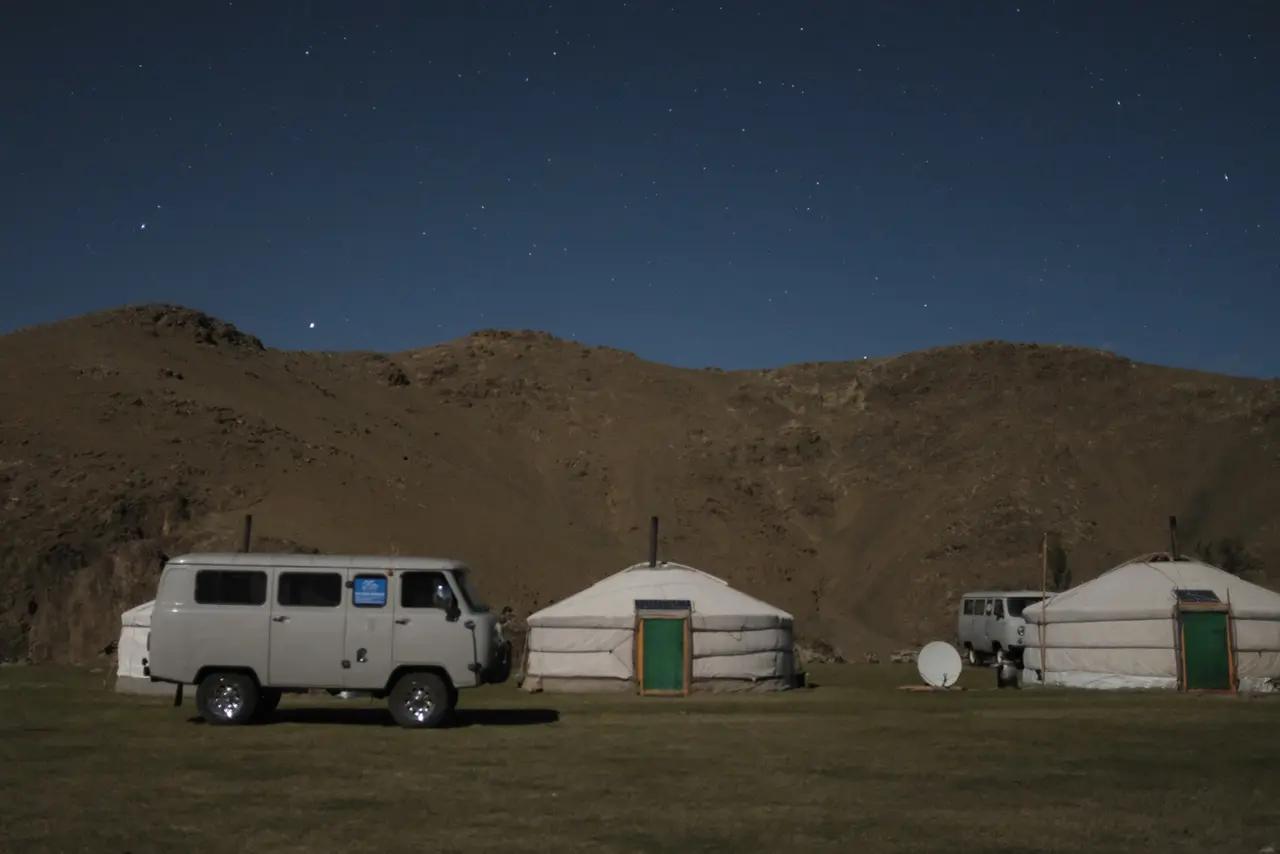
{"points": [[612, 600], [1144, 589], [139, 615]]}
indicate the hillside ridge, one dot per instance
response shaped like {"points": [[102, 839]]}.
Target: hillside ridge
{"points": [[861, 496]]}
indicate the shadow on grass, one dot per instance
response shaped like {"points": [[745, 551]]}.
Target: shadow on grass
{"points": [[381, 717]]}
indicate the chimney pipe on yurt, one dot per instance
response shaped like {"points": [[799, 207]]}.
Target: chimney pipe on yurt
{"points": [[1173, 538], [653, 542]]}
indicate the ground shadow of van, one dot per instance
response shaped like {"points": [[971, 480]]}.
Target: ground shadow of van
{"points": [[381, 717]]}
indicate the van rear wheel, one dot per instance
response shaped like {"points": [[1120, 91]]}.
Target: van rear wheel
{"points": [[420, 700], [972, 655], [224, 698]]}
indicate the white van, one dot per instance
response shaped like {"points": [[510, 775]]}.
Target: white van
{"points": [[245, 628], [991, 624]]}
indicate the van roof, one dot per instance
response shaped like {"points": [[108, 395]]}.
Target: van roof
{"points": [[263, 559], [998, 594]]}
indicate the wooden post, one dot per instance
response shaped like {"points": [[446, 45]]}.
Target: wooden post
{"points": [[653, 541], [248, 532], [1044, 606], [1044, 563], [1173, 538], [1231, 645]]}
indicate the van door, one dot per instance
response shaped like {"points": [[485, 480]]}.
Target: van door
{"points": [[423, 631], [970, 627], [996, 625], [308, 622], [987, 621], [369, 622]]}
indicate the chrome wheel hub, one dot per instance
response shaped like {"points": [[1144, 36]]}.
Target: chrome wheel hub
{"points": [[419, 703], [226, 701]]}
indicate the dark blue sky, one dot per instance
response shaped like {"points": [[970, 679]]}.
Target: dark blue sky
{"points": [[742, 185]]}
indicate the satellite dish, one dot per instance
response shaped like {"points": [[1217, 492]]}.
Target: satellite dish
{"points": [[939, 664]]}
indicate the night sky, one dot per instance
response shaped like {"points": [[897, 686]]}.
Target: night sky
{"points": [[741, 185]]}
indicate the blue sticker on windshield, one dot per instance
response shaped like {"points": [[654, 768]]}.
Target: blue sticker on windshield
{"points": [[370, 591]]}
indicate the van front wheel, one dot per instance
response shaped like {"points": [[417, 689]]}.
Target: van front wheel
{"points": [[227, 698], [419, 700]]}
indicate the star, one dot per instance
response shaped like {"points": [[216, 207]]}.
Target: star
{"points": [[142, 227], [311, 325]]}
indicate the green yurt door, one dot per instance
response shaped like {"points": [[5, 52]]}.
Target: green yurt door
{"points": [[1206, 651], [663, 656]]}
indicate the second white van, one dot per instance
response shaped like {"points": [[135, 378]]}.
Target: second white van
{"points": [[990, 624]]}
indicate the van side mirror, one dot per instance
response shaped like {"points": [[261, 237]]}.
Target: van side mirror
{"points": [[452, 612]]}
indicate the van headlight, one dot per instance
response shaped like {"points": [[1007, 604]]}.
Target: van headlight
{"points": [[1022, 630]]}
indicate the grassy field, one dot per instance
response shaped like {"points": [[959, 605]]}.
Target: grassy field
{"points": [[852, 764]]}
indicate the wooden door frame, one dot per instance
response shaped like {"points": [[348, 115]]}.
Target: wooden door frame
{"points": [[1181, 632], [683, 615]]}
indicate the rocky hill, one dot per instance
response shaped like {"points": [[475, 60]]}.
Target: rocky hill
{"points": [[863, 497]]}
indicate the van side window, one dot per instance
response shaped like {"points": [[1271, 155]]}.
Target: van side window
{"points": [[987, 607], [968, 606], [310, 589], [425, 590], [231, 587], [999, 608]]}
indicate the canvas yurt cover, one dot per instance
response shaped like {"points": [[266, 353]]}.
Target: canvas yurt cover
{"points": [[131, 652], [664, 629], [1157, 623]]}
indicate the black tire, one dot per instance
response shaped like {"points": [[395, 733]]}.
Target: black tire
{"points": [[268, 700], [419, 700], [972, 655], [224, 698]]}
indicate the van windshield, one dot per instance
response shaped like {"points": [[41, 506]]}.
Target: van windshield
{"points": [[463, 577], [1016, 604]]}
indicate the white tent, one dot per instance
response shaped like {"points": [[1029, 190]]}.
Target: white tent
{"points": [[131, 652], [681, 629], [1153, 622]]}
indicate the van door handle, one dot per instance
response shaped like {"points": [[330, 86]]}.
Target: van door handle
{"points": [[280, 619], [403, 621]]}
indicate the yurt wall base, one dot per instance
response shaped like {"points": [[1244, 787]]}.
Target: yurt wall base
{"points": [[1101, 681], [564, 685], [1116, 681], [143, 687], [572, 685]]}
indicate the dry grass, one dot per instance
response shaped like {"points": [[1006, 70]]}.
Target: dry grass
{"points": [[854, 764]]}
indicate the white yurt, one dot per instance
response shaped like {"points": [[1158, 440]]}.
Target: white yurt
{"points": [[660, 628], [131, 653], [1154, 622]]}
